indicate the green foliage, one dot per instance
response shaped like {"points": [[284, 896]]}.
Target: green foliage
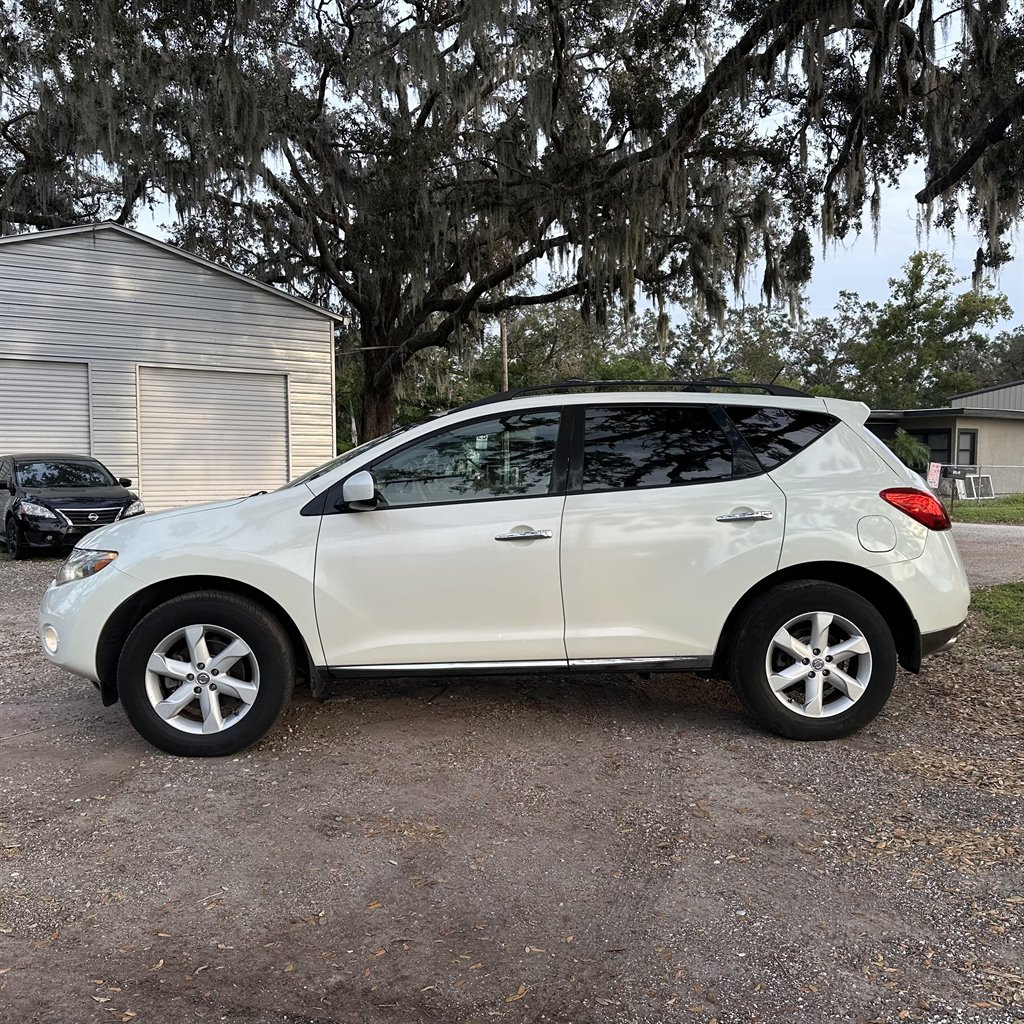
{"points": [[909, 451], [1007, 509], [1001, 611], [1006, 358], [546, 344], [928, 341]]}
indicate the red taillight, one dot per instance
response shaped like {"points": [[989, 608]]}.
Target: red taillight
{"points": [[919, 505]]}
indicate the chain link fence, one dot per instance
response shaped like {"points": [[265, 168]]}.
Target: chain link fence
{"points": [[981, 482]]}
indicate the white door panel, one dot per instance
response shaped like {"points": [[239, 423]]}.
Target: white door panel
{"points": [[650, 572], [430, 584], [205, 435], [44, 406]]}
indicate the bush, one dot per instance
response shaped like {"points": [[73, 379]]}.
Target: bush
{"points": [[909, 451]]}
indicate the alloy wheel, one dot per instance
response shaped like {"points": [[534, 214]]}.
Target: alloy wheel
{"points": [[818, 664], [202, 679]]}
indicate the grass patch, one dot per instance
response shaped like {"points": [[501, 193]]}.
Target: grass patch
{"points": [[1001, 610], [1008, 509]]}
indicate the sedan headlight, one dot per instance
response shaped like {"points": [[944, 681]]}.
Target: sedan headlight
{"points": [[136, 508], [83, 562], [30, 508]]}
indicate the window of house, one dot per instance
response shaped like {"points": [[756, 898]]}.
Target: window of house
{"points": [[936, 441], [967, 448]]}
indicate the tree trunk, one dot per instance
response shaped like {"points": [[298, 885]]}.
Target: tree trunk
{"points": [[378, 406]]}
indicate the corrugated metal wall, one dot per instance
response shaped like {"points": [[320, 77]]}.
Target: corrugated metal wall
{"points": [[1010, 398], [115, 301]]}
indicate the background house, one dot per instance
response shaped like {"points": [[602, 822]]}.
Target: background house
{"points": [[981, 429], [196, 382]]}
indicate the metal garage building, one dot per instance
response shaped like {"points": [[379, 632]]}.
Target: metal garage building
{"points": [[196, 382]]}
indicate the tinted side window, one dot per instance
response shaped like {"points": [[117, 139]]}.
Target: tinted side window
{"points": [[505, 457], [776, 435], [658, 446]]}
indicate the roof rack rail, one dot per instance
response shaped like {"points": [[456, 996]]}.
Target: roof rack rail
{"points": [[698, 384]]}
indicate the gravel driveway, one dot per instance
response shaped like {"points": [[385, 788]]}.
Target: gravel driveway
{"points": [[992, 553], [585, 850]]}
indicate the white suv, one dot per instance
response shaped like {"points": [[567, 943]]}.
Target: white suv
{"points": [[694, 527]]}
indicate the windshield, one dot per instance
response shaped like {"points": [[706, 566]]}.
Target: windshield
{"points": [[62, 474], [342, 459]]}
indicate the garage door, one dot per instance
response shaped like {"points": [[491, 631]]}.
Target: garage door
{"points": [[210, 434], [44, 406]]}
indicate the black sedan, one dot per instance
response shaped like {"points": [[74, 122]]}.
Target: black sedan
{"points": [[48, 502]]}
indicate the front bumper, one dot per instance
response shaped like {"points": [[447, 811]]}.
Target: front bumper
{"points": [[51, 534], [78, 611]]}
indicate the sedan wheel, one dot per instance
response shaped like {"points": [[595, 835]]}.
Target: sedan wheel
{"points": [[813, 660], [206, 674], [12, 538]]}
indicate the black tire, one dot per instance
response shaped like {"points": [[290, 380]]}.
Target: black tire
{"points": [[13, 541], [753, 644], [271, 653]]}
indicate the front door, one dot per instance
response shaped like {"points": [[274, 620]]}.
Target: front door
{"points": [[665, 528], [458, 564]]}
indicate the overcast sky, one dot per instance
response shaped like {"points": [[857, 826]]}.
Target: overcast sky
{"points": [[861, 266]]}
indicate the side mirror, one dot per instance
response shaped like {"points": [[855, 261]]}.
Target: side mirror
{"points": [[124, 481], [359, 492]]}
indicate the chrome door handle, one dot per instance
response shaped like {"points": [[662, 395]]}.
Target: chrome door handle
{"points": [[746, 517], [526, 535]]}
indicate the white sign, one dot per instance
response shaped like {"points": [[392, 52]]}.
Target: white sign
{"points": [[934, 472]]}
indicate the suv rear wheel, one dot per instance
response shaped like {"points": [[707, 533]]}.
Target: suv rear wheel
{"points": [[206, 674], [813, 661]]}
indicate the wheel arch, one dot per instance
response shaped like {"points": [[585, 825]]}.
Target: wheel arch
{"points": [[881, 593], [132, 611]]}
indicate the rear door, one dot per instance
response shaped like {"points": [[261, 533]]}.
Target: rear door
{"points": [[669, 520]]}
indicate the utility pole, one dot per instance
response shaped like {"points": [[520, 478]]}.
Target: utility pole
{"points": [[503, 334]]}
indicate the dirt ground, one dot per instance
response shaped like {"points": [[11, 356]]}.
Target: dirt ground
{"points": [[600, 849]]}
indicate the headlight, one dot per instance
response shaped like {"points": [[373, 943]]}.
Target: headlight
{"points": [[82, 562], [136, 508], [30, 508]]}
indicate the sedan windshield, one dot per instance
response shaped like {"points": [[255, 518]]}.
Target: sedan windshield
{"points": [[62, 474]]}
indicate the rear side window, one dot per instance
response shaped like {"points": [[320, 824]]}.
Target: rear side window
{"points": [[632, 446], [776, 435]]}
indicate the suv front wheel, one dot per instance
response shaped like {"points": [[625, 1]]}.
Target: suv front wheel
{"points": [[206, 674], [813, 660]]}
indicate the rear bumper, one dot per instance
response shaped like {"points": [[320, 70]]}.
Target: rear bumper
{"points": [[941, 640]]}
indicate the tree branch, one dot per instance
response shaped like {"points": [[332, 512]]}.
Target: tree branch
{"points": [[992, 133], [787, 16], [518, 301]]}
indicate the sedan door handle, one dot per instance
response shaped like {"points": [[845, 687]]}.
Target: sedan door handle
{"points": [[746, 517], [526, 535]]}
